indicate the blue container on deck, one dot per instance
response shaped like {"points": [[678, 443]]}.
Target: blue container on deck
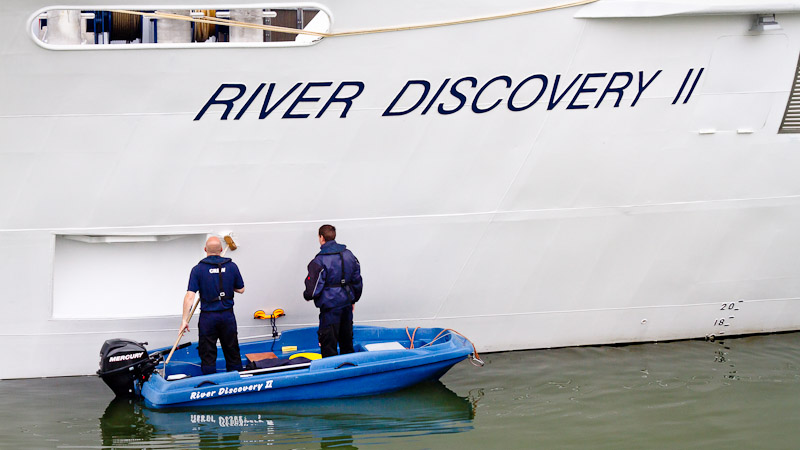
{"points": [[365, 372]]}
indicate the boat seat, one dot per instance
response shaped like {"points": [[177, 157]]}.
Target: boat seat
{"points": [[177, 376], [253, 357], [384, 346]]}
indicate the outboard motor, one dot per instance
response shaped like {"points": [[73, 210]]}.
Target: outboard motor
{"points": [[124, 363]]}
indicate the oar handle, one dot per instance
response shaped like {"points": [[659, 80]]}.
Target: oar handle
{"points": [[180, 333]]}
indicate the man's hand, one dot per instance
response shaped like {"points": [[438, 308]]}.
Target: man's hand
{"points": [[188, 301]]}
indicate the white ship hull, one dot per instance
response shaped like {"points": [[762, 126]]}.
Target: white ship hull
{"points": [[675, 214]]}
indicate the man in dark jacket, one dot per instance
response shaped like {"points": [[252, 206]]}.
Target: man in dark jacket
{"points": [[334, 283], [216, 279]]}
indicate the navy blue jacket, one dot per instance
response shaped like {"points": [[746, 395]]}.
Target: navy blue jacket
{"points": [[324, 280], [204, 278]]}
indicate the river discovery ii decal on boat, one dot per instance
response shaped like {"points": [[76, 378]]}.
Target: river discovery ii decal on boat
{"points": [[574, 93], [231, 390]]}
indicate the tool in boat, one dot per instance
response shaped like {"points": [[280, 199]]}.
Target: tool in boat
{"points": [[260, 314], [180, 333]]}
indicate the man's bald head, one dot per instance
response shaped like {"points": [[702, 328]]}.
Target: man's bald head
{"points": [[213, 246]]}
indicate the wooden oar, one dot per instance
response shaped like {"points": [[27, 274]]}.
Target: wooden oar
{"points": [[180, 333]]}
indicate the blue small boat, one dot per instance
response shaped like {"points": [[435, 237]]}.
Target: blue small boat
{"points": [[385, 360]]}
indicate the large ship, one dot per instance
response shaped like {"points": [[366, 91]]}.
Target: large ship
{"points": [[531, 173]]}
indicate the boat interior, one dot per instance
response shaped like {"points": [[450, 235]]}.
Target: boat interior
{"points": [[294, 349]]}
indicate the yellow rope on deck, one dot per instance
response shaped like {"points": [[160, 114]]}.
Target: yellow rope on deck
{"points": [[233, 23]]}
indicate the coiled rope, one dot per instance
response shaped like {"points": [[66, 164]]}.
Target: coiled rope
{"points": [[124, 27], [233, 23], [202, 31], [475, 358]]}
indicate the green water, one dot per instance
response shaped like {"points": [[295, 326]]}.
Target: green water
{"points": [[738, 393]]}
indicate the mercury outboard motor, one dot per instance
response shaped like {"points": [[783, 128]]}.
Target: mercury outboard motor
{"points": [[125, 363]]}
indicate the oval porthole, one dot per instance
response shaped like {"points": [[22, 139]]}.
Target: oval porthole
{"points": [[59, 28]]}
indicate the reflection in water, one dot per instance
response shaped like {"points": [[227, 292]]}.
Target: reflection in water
{"points": [[722, 357], [429, 408]]}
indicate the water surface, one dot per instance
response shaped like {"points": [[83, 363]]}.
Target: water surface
{"points": [[737, 393]]}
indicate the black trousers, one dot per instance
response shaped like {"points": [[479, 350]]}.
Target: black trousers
{"points": [[336, 327], [213, 326]]}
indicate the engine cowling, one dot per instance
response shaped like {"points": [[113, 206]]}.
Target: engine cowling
{"points": [[124, 364]]}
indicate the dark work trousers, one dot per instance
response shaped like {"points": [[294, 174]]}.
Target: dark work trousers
{"points": [[220, 325], [336, 327]]}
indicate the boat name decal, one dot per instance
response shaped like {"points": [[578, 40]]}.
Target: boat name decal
{"points": [[423, 96], [231, 390], [127, 357]]}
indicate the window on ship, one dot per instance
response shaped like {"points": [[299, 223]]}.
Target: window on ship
{"points": [[73, 28]]}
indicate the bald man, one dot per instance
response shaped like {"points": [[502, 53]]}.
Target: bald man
{"points": [[216, 279]]}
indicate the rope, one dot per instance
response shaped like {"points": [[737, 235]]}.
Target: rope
{"points": [[220, 21], [475, 357], [124, 27], [411, 336], [202, 31]]}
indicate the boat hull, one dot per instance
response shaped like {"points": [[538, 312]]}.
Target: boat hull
{"points": [[351, 375]]}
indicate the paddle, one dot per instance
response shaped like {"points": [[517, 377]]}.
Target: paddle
{"points": [[180, 333]]}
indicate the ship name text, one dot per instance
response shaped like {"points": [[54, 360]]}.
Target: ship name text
{"points": [[449, 96]]}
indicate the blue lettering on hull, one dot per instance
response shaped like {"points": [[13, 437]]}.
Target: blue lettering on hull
{"points": [[450, 97]]}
